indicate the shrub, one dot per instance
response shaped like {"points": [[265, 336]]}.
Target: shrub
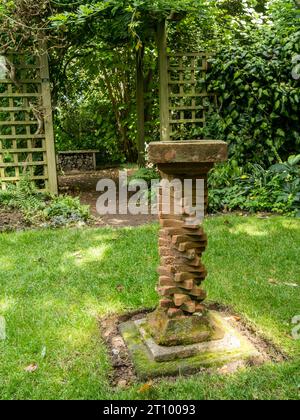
{"points": [[258, 95], [42, 208], [255, 189], [66, 209]]}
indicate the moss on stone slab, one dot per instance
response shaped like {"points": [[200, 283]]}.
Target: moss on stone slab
{"points": [[146, 367]]}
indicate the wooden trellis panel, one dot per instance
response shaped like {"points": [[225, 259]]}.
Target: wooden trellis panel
{"points": [[26, 126], [188, 97]]}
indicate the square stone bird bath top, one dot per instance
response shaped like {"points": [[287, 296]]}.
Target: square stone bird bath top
{"points": [[192, 152]]}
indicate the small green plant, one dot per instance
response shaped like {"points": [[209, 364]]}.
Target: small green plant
{"points": [[65, 209], [23, 196], [145, 174]]}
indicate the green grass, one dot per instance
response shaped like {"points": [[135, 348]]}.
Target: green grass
{"points": [[54, 285]]}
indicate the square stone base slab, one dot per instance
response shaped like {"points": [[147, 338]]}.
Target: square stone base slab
{"points": [[151, 360]]}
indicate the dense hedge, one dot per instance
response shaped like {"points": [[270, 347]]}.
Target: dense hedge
{"points": [[257, 81]]}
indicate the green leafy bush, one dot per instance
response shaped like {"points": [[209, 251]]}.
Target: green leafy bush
{"points": [[255, 189], [255, 78], [42, 208], [65, 209]]}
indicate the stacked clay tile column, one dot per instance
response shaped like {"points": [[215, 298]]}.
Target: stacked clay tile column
{"points": [[182, 242], [181, 317]]}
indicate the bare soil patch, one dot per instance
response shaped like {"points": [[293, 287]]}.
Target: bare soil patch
{"points": [[11, 220], [84, 186]]}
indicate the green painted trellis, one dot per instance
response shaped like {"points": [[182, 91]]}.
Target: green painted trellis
{"points": [[188, 98], [26, 125], [184, 99]]}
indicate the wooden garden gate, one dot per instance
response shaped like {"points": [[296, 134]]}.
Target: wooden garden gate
{"points": [[26, 125]]}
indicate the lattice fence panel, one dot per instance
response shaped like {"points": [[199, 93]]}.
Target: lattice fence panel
{"points": [[26, 130], [188, 96]]}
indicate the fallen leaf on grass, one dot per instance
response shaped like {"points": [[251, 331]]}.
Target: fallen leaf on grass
{"points": [[224, 370], [146, 388], [31, 368], [273, 281], [291, 284], [120, 288], [233, 318], [77, 255]]}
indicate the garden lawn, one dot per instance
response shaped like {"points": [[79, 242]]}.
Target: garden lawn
{"points": [[55, 285]]}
